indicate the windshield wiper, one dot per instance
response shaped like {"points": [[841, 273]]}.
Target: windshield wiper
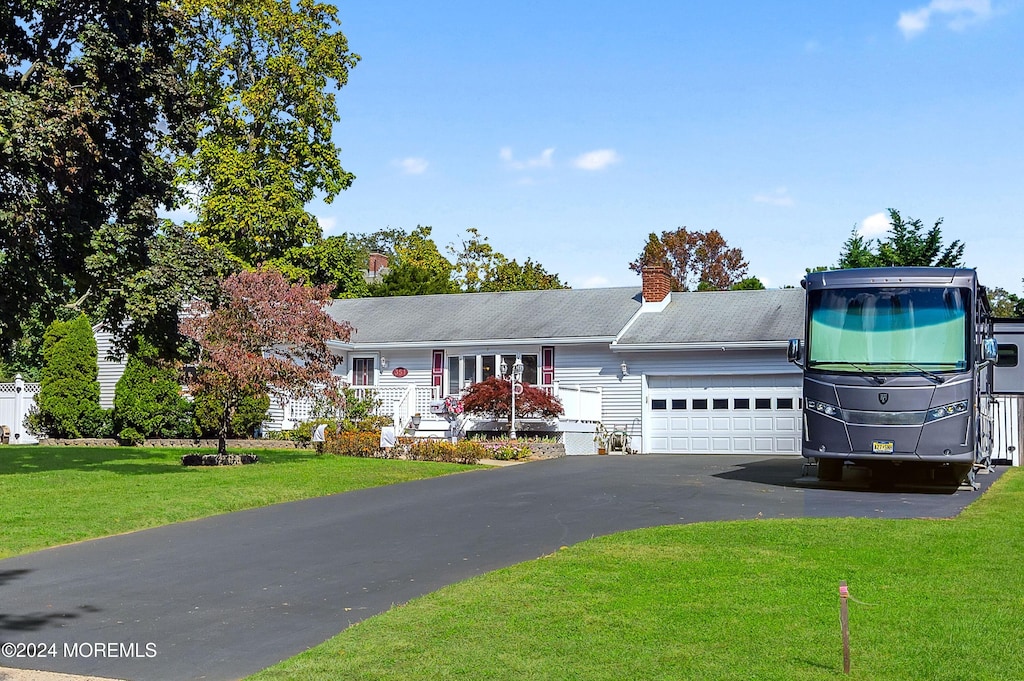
{"points": [[924, 372], [880, 380]]}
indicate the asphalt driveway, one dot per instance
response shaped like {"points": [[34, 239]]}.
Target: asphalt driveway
{"points": [[223, 597]]}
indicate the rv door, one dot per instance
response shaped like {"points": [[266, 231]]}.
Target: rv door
{"points": [[1008, 377]]}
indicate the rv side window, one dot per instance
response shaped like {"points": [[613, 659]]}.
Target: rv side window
{"points": [[1007, 355]]}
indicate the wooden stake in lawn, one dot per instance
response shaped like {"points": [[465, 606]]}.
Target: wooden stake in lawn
{"points": [[844, 621]]}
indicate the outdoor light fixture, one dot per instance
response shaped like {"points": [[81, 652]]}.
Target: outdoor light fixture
{"points": [[624, 368], [383, 362], [517, 388]]}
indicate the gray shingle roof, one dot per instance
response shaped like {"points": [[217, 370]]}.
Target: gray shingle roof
{"points": [[721, 317], [554, 314]]}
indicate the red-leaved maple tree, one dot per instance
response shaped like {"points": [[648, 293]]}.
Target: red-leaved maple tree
{"points": [[264, 334], [493, 397]]}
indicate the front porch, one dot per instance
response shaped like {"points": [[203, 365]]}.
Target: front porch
{"points": [[410, 409]]}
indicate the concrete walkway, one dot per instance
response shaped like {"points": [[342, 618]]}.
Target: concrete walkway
{"points": [[223, 597]]}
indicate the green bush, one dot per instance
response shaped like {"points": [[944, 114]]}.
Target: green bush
{"points": [[148, 400], [304, 431], [68, 402], [130, 436]]}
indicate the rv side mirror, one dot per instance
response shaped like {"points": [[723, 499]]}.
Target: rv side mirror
{"points": [[990, 349], [793, 350]]}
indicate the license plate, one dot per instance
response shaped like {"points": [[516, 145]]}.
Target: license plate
{"points": [[882, 446]]}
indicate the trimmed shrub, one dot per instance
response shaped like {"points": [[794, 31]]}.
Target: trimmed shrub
{"points": [[68, 403], [148, 400], [464, 451], [350, 443]]}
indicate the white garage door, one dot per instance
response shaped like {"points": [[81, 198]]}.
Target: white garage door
{"points": [[724, 414]]}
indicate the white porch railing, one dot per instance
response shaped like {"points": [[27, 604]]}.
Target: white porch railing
{"points": [[581, 403]]}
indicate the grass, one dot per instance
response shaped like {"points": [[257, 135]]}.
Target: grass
{"points": [[56, 495], [738, 600]]}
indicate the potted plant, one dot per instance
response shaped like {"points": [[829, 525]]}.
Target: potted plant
{"points": [[601, 438]]}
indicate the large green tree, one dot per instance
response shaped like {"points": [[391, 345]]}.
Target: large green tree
{"points": [[87, 92], [907, 244], [417, 268], [337, 261], [479, 267], [265, 72], [695, 260]]}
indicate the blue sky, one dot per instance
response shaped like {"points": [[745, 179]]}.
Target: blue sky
{"points": [[567, 131]]}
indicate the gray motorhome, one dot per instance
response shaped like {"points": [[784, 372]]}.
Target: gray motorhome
{"points": [[897, 369]]}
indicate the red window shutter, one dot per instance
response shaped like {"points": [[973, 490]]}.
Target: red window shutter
{"points": [[547, 370], [437, 369]]}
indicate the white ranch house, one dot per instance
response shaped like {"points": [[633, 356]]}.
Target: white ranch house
{"points": [[677, 372]]}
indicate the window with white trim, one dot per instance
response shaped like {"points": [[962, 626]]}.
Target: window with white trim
{"points": [[465, 370], [363, 371]]}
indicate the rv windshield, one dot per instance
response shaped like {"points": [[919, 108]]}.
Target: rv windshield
{"points": [[888, 330]]}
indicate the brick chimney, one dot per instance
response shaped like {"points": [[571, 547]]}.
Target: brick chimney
{"points": [[378, 262], [656, 283]]}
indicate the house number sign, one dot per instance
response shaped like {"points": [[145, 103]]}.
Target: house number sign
{"points": [[399, 372]]}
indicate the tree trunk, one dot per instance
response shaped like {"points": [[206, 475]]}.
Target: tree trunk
{"points": [[222, 435]]}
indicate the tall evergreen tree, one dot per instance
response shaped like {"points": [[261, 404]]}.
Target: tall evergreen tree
{"points": [[68, 401]]}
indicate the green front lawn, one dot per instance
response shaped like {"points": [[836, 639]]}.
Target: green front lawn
{"points": [[737, 600], [55, 495]]}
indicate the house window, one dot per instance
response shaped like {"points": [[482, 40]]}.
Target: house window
{"points": [[529, 367], [362, 371], [784, 403], [466, 370], [741, 403], [721, 403], [454, 378], [763, 403], [678, 404], [700, 404], [488, 367], [659, 405]]}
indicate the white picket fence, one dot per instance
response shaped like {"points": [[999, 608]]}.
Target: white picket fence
{"points": [[15, 401]]}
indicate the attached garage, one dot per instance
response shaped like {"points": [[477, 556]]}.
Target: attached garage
{"points": [[743, 414]]}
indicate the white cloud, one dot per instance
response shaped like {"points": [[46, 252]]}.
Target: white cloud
{"points": [[778, 197], [874, 225], [545, 159], [413, 165], [598, 159], [961, 14], [326, 223], [594, 281]]}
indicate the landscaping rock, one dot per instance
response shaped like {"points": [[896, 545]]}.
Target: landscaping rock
{"points": [[218, 459]]}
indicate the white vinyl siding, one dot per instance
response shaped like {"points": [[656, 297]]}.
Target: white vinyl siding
{"points": [[109, 371]]}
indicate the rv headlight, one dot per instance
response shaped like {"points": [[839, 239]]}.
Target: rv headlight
{"points": [[823, 408], [946, 410]]}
